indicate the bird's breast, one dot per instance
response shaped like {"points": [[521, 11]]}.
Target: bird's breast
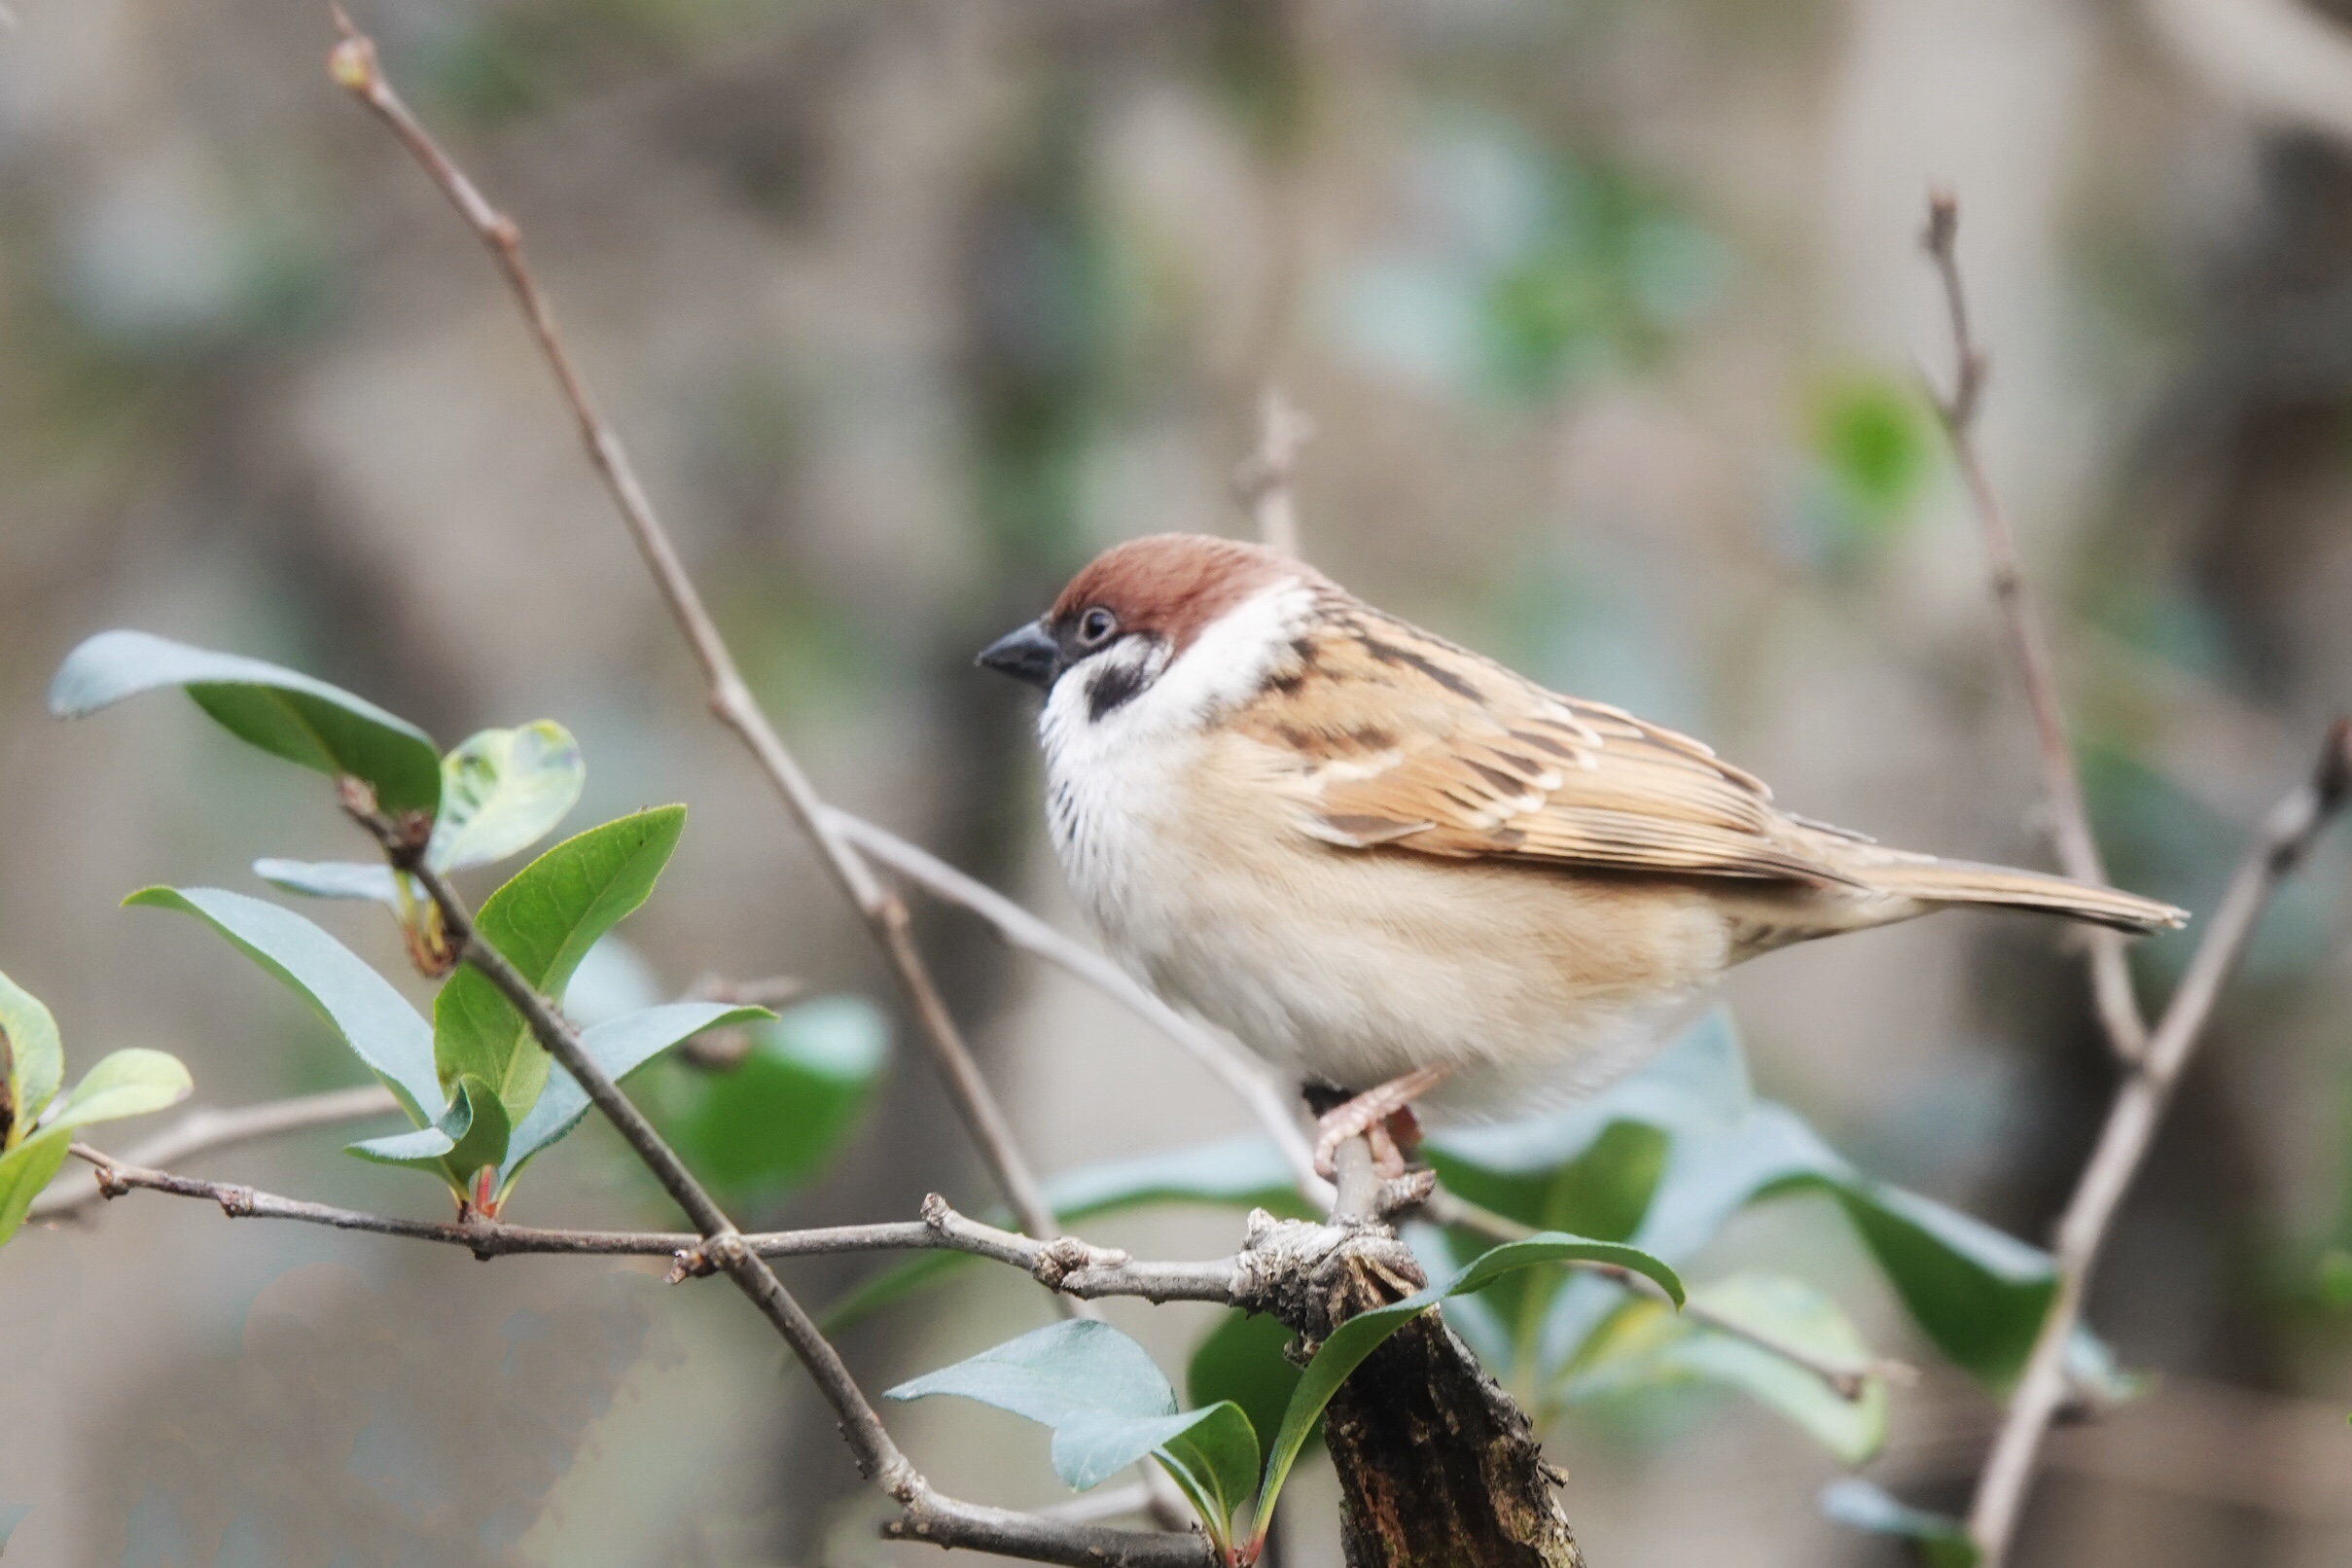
{"points": [[1357, 965]]}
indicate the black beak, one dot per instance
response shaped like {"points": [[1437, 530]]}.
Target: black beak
{"points": [[1027, 654]]}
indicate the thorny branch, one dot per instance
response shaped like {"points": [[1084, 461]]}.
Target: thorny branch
{"points": [[2069, 817], [2154, 1058], [353, 66]]}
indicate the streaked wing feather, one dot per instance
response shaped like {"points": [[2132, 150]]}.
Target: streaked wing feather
{"points": [[1400, 738]]}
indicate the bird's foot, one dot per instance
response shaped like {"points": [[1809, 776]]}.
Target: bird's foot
{"points": [[1382, 1116]]}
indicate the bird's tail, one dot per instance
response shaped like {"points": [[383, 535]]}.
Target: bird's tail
{"points": [[1959, 881]]}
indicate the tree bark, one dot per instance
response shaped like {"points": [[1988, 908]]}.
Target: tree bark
{"points": [[1438, 1467]]}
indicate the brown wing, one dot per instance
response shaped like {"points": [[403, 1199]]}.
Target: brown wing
{"points": [[1405, 740]]}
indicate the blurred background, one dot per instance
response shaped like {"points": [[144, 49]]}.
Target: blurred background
{"points": [[1611, 319]]}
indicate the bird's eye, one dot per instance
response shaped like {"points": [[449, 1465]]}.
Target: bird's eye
{"points": [[1095, 626]]}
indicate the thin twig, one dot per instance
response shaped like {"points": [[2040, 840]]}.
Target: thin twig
{"points": [[353, 66], [2077, 847], [205, 1128], [1063, 1265], [1265, 477], [1251, 1082], [2287, 835]]}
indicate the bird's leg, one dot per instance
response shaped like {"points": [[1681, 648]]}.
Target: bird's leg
{"points": [[1368, 1114]]}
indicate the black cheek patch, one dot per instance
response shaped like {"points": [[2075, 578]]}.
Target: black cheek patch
{"points": [[1112, 690]]}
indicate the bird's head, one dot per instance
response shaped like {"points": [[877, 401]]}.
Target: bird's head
{"points": [[1144, 610]]}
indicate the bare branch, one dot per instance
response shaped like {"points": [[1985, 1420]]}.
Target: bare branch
{"points": [[2069, 818], [2287, 835], [1251, 1080], [205, 1128], [1065, 1263], [353, 66], [1264, 479]]}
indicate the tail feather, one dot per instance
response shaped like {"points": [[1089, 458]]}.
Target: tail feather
{"points": [[1960, 881]]}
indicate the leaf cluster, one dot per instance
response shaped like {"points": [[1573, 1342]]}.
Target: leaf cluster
{"points": [[482, 1095]]}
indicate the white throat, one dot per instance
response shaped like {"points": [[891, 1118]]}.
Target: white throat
{"points": [[1109, 779]]}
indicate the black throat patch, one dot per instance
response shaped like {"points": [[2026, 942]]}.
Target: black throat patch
{"points": [[1114, 689]]}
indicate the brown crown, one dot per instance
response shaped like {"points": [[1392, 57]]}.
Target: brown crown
{"points": [[1171, 585]]}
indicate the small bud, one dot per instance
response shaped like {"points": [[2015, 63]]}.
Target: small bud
{"points": [[352, 64]]}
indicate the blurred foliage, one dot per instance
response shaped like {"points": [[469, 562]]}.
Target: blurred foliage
{"points": [[1532, 270], [1875, 443], [482, 1095], [498, 63], [775, 1117]]}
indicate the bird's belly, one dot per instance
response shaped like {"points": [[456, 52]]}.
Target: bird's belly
{"points": [[1356, 966]]}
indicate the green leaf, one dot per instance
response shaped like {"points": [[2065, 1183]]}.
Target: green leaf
{"points": [[1979, 1294], [1213, 1460], [1109, 1406], [333, 879], [471, 1136], [288, 714], [12, 1514], [1644, 1345], [1241, 1361], [1942, 1543], [133, 1081], [778, 1115], [502, 791], [620, 1045], [374, 1020], [545, 920], [24, 1171], [1055, 1374], [1360, 1335], [31, 1062], [125, 1082]]}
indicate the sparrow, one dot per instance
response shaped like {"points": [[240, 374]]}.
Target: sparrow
{"points": [[1393, 867]]}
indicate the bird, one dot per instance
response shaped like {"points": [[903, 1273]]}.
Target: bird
{"points": [[1401, 871]]}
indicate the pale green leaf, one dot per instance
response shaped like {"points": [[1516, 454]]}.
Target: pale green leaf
{"points": [[33, 1059], [502, 791]]}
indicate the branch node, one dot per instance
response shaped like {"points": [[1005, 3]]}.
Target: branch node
{"points": [[1057, 1259], [237, 1202], [937, 1214]]}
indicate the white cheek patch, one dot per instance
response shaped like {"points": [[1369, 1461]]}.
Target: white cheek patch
{"points": [[1225, 665]]}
